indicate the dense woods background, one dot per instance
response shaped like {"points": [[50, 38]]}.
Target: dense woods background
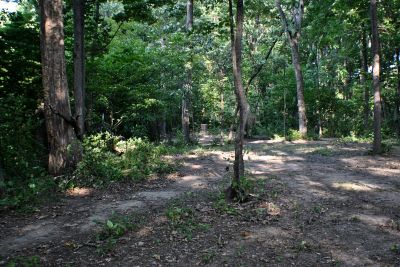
{"points": [[151, 72]]}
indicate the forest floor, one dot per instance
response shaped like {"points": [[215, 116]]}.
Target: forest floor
{"points": [[316, 203]]}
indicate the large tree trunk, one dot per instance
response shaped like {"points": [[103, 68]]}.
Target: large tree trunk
{"points": [[293, 37], [187, 88], [363, 78], [79, 66], [59, 122], [238, 167], [377, 146]]}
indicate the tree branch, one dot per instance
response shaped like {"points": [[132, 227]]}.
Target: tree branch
{"points": [[284, 20], [260, 67]]}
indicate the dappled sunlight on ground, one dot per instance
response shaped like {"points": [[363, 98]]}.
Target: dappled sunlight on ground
{"points": [[322, 204], [349, 186], [79, 192]]}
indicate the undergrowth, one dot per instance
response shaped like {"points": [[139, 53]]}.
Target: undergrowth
{"points": [[108, 158], [112, 229], [184, 221]]}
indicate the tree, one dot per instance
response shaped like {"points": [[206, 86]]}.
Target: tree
{"points": [[377, 146], [79, 65], [293, 34], [242, 105], [363, 77], [59, 122], [188, 85]]}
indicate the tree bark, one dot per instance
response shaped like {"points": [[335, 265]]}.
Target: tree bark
{"points": [[363, 78], [377, 146], [236, 44], [187, 88], [294, 38], [79, 66], [398, 93], [301, 106], [59, 122]]}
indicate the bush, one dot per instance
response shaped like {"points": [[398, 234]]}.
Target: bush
{"points": [[107, 158], [24, 194], [294, 135]]}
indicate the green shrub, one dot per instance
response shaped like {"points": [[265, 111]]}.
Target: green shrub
{"points": [[107, 158], [294, 135], [97, 168], [25, 194]]}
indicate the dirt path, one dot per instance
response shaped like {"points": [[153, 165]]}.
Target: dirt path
{"points": [[318, 203]]}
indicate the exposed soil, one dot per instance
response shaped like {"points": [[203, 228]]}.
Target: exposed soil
{"points": [[319, 203]]}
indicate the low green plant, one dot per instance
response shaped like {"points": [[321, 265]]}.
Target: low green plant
{"points": [[223, 206], [353, 138], [31, 261], [243, 188], [208, 256], [318, 208], [304, 246], [112, 229], [395, 248], [184, 220]]}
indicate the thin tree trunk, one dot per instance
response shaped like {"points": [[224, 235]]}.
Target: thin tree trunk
{"points": [[377, 146], [163, 123], [398, 93], [187, 88], [299, 87], [59, 122], [222, 107], [293, 38], [238, 166], [318, 65], [363, 79], [79, 66]]}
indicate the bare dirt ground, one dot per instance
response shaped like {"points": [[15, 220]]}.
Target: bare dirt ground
{"points": [[319, 203]]}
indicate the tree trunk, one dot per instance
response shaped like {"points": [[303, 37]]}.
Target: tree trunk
{"points": [[163, 122], [299, 87], [319, 120], [377, 146], [222, 117], [238, 167], [79, 66], [293, 37], [398, 93], [363, 79], [187, 88], [59, 122]]}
